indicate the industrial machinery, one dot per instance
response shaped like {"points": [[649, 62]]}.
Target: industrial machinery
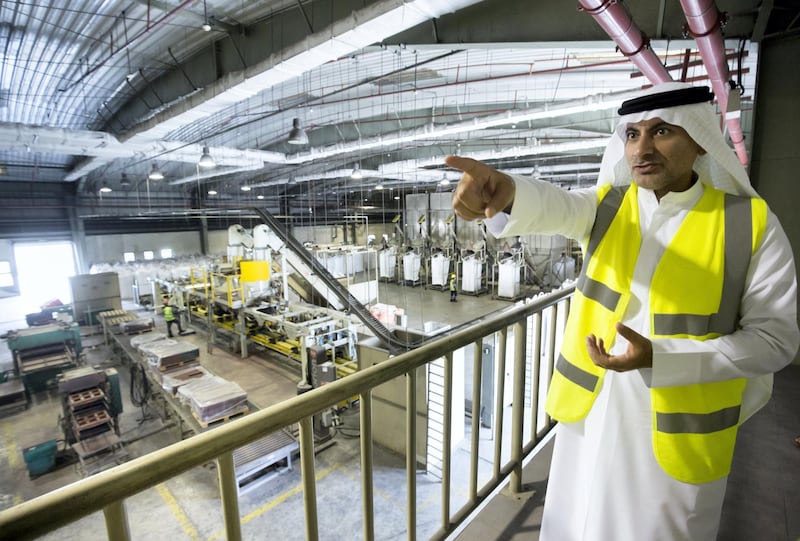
{"points": [[240, 243], [440, 268], [412, 262], [387, 264], [509, 273], [295, 329], [41, 353], [562, 269], [91, 401], [473, 279]]}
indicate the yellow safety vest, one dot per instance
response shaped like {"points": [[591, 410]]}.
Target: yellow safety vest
{"points": [[168, 315], [691, 296]]}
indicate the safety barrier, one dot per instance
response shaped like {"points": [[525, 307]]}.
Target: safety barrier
{"points": [[527, 332]]}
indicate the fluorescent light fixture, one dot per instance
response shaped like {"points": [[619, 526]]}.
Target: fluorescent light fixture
{"points": [[155, 174], [245, 188], [259, 196], [298, 135], [379, 186], [105, 189], [212, 192], [206, 161]]}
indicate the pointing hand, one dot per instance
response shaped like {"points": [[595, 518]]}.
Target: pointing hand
{"points": [[482, 192]]}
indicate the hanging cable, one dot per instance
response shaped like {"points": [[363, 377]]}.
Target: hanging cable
{"points": [[140, 390]]}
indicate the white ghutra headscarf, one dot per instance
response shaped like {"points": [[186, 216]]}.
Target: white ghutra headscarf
{"points": [[718, 167]]}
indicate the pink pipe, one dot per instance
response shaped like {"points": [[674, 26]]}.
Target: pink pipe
{"points": [[704, 24], [632, 42]]}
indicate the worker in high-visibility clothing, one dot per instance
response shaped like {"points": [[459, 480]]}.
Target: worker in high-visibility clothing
{"points": [[684, 308], [171, 319], [453, 288]]}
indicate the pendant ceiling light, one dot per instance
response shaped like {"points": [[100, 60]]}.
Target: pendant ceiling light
{"points": [[356, 174], [298, 135], [155, 174], [206, 161]]}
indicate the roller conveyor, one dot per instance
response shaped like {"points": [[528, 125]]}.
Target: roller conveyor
{"points": [[254, 459]]}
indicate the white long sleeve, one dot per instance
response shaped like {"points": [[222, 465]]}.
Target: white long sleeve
{"points": [[541, 207]]}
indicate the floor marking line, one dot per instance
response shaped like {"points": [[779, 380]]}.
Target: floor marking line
{"points": [[183, 519], [276, 501], [11, 446]]}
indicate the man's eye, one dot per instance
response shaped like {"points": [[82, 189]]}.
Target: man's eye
{"points": [[630, 134]]}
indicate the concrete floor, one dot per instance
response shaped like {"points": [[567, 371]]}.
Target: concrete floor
{"points": [[187, 507]]}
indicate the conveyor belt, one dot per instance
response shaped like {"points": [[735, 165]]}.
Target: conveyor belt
{"points": [[352, 304]]}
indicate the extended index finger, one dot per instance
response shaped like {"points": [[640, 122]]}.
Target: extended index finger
{"points": [[467, 165]]}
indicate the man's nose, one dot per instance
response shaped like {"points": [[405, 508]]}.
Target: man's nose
{"points": [[643, 145]]}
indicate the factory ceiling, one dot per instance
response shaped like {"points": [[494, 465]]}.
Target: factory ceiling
{"points": [[98, 94]]}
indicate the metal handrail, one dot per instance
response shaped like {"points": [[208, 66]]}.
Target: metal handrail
{"points": [[107, 490]]}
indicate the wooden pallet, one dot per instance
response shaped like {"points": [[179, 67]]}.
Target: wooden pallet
{"points": [[172, 366], [139, 331], [222, 419]]}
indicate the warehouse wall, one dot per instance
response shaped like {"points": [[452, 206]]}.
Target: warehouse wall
{"points": [[776, 154], [109, 248]]}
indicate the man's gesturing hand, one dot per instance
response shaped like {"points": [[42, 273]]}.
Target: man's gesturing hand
{"points": [[639, 353], [482, 192]]}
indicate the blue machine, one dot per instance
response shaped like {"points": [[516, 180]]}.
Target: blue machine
{"points": [[42, 353]]}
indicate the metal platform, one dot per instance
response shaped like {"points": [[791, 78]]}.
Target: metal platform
{"points": [[99, 453]]}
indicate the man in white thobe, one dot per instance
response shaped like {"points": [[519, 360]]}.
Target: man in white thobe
{"points": [[605, 481]]}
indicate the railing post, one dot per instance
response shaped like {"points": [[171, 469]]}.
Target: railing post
{"points": [[117, 521], [308, 478], [446, 439], [477, 365], [518, 407], [551, 352], [230, 496], [365, 400], [411, 454], [498, 404], [536, 358]]}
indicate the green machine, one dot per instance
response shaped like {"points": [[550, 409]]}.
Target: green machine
{"points": [[91, 403], [41, 353]]}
